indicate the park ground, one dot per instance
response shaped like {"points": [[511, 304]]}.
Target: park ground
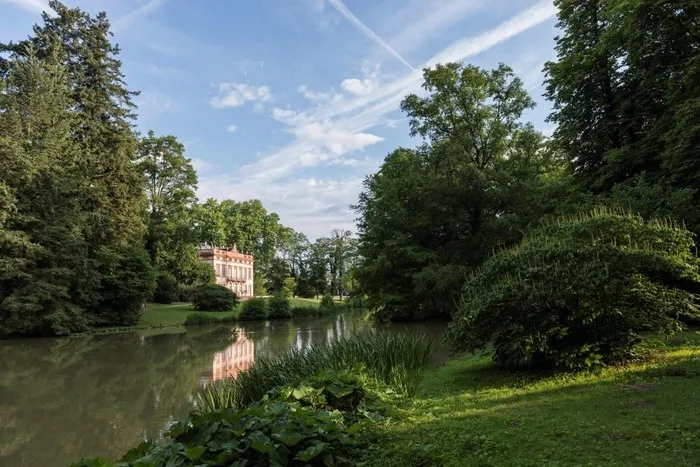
{"points": [[469, 413]]}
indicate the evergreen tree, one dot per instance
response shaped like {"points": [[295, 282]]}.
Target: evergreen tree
{"points": [[102, 113], [44, 256]]}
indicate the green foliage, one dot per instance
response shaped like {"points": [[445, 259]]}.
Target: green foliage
{"points": [[327, 302], [127, 280], [167, 289], [289, 285], [626, 100], [254, 309], [217, 395], [196, 319], [278, 306], [578, 292], [213, 298], [433, 213], [394, 359]]}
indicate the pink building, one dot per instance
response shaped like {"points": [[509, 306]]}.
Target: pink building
{"points": [[234, 270]]}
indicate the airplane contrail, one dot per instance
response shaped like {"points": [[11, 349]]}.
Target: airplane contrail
{"points": [[343, 10]]}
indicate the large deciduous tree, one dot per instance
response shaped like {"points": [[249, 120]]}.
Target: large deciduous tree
{"points": [[432, 213], [171, 182]]}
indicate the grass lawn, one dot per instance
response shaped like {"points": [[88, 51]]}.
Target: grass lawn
{"points": [[176, 313], [468, 413]]}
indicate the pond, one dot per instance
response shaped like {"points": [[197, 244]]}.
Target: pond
{"points": [[62, 399]]}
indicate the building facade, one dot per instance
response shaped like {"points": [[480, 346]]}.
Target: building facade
{"points": [[234, 270]]}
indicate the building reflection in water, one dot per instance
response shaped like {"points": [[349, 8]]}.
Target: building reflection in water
{"points": [[237, 357]]}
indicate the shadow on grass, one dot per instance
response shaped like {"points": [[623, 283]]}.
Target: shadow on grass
{"points": [[469, 412]]}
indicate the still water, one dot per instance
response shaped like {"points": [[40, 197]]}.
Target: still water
{"points": [[62, 399]]}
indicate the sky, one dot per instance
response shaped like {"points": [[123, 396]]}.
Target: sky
{"points": [[295, 102]]}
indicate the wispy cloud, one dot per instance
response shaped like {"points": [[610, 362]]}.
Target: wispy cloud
{"points": [[343, 10], [231, 128], [237, 94], [141, 12], [361, 113], [35, 6]]}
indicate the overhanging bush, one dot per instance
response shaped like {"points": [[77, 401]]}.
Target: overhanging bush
{"points": [[327, 302], [213, 298], [278, 307], [254, 309], [578, 292]]}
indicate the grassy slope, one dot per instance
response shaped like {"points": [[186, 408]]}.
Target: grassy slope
{"points": [[467, 413], [176, 313]]}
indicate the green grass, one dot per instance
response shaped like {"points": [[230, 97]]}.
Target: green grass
{"points": [[175, 314], [469, 413]]}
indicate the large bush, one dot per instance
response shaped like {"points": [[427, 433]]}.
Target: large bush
{"points": [[579, 291], [278, 307], [166, 289], [213, 298], [254, 309]]}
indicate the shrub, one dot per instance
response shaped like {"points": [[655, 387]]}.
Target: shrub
{"points": [[327, 301], [278, 307], [395, 359], [213, 298], [166, 289], [254, 309], [578, 292], [195, 319], [185, 292]]}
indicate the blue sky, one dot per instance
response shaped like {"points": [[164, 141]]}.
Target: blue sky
{"points": [[294, 102]]}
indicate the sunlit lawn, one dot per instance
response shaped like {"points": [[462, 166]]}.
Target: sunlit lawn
{"points": [[176, 313], [468, 413]]}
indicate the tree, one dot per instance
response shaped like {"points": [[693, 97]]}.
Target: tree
{"points": [[432, 213], [170, 190], [626, 101], [579, 292], [101, 115]]}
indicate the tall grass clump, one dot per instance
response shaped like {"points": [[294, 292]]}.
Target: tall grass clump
{"points": [[395, 359], [217, 395]]}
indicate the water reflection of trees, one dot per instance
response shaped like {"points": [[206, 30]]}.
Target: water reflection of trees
{"points": [[96, 395], [61, 399]]}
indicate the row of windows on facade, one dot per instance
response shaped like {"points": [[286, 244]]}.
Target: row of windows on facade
{"points": [[234, 272], [241, 290]]}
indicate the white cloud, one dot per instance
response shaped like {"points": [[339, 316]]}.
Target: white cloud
{"points": [[318, 96], [427, 19], [287, 116], [36, 6], [237, 94], [357, 87], [337, 141], [231, 128]]}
